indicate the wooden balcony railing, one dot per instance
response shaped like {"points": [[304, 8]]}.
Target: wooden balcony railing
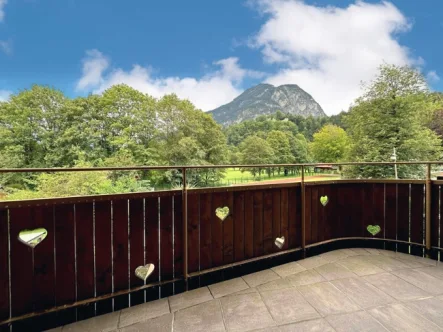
{"points": [[85, 266]]}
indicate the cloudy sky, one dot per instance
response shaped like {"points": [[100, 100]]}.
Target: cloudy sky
{"points": [[211, 51]]}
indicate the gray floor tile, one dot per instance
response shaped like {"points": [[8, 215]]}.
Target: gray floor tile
{"points": [[334, 271], [262, 277], [397, 317], [360, 251], [372, 251], [428, 283], [143, 312], [245, 312], [188, 299], [305, 278], [355, 321], [246, 291], [268, 329], [395, 287], [288, 306], [327, 299], [415, 261], [288, 269], [333, 256], [435, 271], [159, 324], [200, 318], [362, 293], [312, 262], [316, 325], [273, 285], [431, 308], [103, 323], [359, 266], [386, 263], [228, 287]]}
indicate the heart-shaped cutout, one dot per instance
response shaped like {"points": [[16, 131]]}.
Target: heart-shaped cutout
{"points": [[32, 237], [143, 272], [222, 212], [373, 229], [324, 200], [279, 242]]}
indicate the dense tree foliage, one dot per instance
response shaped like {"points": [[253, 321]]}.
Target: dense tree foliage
{"points": [[330, 144]]}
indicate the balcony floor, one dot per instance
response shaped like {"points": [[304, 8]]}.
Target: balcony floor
{"points": [[342, 290]]}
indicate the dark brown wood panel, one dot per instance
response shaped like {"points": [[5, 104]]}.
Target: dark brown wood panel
{"points": [[249, 224], [378, 208], [120, 233], [103, 254], [258, 223], [178, 236], [193, 233], [308, 210], [65, 253], [136, 239], [284, 216], [298, 214], [239, 226], [152, 236], [293, 236], [435, 215], [206, 214], [315, 206], [218, 200], [268, 241], [84, 218], [228, 230], [417, 209], [403, 216], [391, 211], [22, 270], [276, 204], [166, 243], [328, 216], [320, 214], [367, 208], [4, 265]]}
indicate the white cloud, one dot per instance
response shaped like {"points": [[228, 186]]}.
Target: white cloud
{"points": [[4, 95], [6, 46], [208, 92], [328, 51], [2, 10], [432, 76]]}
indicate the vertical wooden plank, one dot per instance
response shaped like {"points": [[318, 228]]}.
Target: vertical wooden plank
{"points": [[103, 254], [84, 224], [65, 254], [193, 232], [328, 217], [378, 209], [4, 266], [152, 236], [239, 226], [417, 220], [308, 210], [268, 241], [367, 207], [228, 231], [276, 206], [166, 245], [315, 205], [435, 216], [320, 214], [284, 216], [258, 223], [21, 262], [403, 216], [178, 236], [293, 236], [206, 213], [249, 224], [218, 200], [391, 214], [137, 249], [120, 251]]}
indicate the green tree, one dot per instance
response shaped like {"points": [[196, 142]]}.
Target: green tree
{"points": [[256, 151], [279, 142], [330, 144], [386, 117]]}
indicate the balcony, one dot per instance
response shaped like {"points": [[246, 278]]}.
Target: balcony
{"points": [[274, 255]]}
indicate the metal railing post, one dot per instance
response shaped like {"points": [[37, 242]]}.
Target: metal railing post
{"points": [[428, 209], [303, 212], [185, 227]]}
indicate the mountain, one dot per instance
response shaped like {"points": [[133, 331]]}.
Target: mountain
{"points": [[266, 99]]}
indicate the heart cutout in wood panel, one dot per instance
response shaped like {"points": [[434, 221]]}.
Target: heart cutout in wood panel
{"points": [[32, 237], [324, 200], [280, 242], [222, 212], [373, 229], [143, 272]]}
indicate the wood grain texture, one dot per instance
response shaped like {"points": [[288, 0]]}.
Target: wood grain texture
{"points": [[206, 214], [258, 223], [268, 240], [228, 230], [152, 236], [166, 236], [391, 211], [276, 215], [193, 233], [178, 236], [284, 216], [239, 226], [249, 224], [4, 265], [218, 200]]}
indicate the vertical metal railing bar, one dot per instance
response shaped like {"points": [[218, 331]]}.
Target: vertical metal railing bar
{"points": [[303, 212], [185, 227], [95, 260], [9, 268], [112, 254], [409, 216], [129, 250], [144, 244], [159, 246], [428, 209], [75, 260], [173, 243]]}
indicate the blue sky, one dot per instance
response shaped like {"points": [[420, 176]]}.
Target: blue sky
{"points": [[210, 51]]}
